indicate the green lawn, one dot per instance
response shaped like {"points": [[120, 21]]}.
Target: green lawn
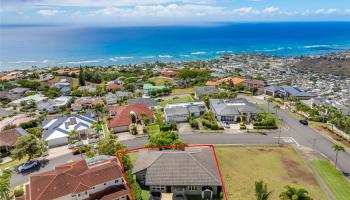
{"points": [[162, 80], [333, 178], [177, 100], [153, 128], [12, 163], [276, 166], [145, 195], [182, 91]]}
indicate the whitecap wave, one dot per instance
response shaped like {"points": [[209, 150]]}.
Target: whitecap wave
{"points": [[148, 57], [22, 61], [223, 52], [199, 53], [85, 61], [317, 46], [185, 55], [165, 56]]}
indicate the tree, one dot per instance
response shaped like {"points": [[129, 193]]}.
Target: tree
{"points": [[97, 126], [133, 129], [133, 117], [99, 109], [261, 192], [5, 178], [81, 77], [30, 146], [337, 148], [292, 193], [168, 138], [37, 132], [111, 147]]}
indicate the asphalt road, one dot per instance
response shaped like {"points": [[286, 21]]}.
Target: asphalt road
{"points": [[302, 135]]}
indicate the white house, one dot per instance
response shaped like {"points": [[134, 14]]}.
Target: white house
{"points": [[54, 105], [57, 130]]}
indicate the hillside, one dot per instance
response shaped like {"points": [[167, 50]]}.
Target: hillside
{"points": [[325, 65]]}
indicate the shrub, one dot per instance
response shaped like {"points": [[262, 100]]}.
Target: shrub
{"points": [[18, 191]]}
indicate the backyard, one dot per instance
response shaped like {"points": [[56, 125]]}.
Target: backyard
{"points": [[162, 80], [177, 100], [334, 179], [183, 91], [276, 166]]}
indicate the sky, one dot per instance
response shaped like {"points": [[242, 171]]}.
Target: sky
{"points": [[167, 12]]}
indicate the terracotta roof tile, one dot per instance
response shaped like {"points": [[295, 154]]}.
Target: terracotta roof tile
{"points": [[121, 114]]}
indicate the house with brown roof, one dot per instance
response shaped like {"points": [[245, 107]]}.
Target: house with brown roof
{"points": [[86, 102], [8, 138], [251, 84], [77, 180], [121, 116], [169, 73], [234, 81]]}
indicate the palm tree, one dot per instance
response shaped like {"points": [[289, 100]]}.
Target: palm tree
{"points": [[99, 109], [261, 192], [337, 148], [292, 193], [269, 100]]}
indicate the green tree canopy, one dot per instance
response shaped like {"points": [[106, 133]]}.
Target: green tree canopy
{"points": [[5, 178], [30, 146], [261, 192], [292, 193]]}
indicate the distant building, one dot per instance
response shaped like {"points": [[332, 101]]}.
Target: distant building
{"points": [[169, 73], [88, 88], [233, 110], [79, 180], [250, 85], [54, 105], [86, 102], [37, 98], [150, 102], [180, 112], [288, 91], [113, 98], [18, 90], [114, 85]]}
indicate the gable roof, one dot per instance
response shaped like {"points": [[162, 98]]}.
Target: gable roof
{"points": [[148, 101], [10, 137], [200, 91], [55, 128], [71, 178], [193, 166], [121, 114]]}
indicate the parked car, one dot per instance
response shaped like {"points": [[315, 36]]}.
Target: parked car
{"points": [[155, 196], [28, 165], [304, 122]]}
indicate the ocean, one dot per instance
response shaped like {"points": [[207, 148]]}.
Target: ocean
{"points": [[26, 46]]}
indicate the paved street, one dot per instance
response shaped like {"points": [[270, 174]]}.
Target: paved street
{"points": [[293, 132]]}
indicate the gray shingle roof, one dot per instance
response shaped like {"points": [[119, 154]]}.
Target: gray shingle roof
{"points": [[194, 166], [148, 101], [200, 91], [228, 107]]}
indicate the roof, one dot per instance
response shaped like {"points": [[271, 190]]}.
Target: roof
{"points": [[294, 91], [184, 108], [193, 166], [121, 114], [200, 91], [232, 106], [148, 101], [254, 82], [113, 86], [18, 90], [235, 81], [10, 137], [61, 126], [36, 98], [72, 178]]}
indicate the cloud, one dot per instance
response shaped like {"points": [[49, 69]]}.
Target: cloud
{"points": [[328, 11], [49, 12], [271, 10]]}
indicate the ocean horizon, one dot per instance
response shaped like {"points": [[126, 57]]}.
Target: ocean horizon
{"points": [[32, 45]]}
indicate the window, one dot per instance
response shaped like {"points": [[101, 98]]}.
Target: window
{"points": [[191, 188], [116, 181], [158, 187]]}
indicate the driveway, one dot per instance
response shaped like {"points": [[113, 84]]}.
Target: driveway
{"points": [[125, 136], [184, 128]]}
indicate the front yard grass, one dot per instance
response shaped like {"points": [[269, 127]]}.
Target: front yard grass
{"points": [[182, 91], [333, 178], [145, 195], [177, 100], [12, 163], [276, 166], [153, 128]]}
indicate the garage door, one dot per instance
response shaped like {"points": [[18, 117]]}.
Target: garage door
{"points": [[57, 142]]}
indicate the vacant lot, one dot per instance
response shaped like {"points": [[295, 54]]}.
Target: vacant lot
{"points": [[177, 100], [334, 180], [162, 80], [182, 91], [276, 166]]}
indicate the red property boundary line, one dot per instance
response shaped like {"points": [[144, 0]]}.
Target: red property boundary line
{"points": [[118, 154]]}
